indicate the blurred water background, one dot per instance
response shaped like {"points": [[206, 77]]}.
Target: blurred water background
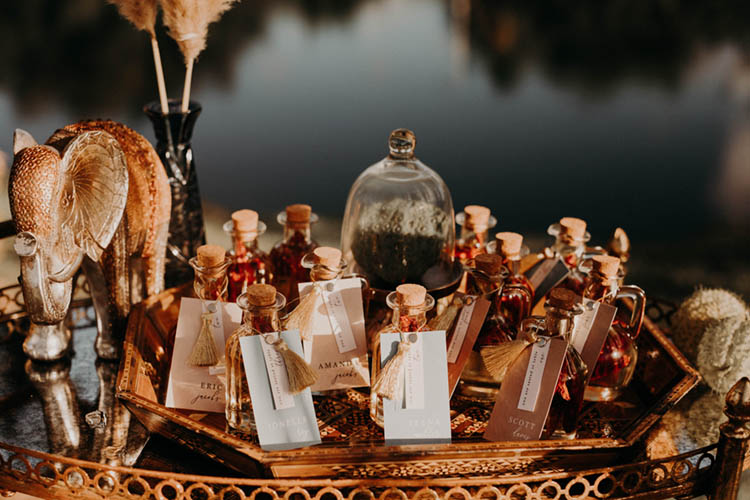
{"points": [[632, 115]]}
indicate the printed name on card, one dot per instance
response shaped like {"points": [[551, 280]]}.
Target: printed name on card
{"points": [[284, 421], [425, 417], [199, 388], [338, 348], [523, 401], [463, 335]]}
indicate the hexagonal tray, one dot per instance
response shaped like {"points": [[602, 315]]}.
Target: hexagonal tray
{"points": [[353, 447]]}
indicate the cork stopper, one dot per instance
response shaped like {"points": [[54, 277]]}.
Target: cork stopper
{"points": [[211, 255], [245, 221], [298, 213], [488, 263], [508, 243], [562, 298], [411, 295], [477, 215], [573, 227], [606, 265], [328, 256], [261, 295]]}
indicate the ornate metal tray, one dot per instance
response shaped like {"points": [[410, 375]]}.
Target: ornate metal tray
{"points": [[354, 448]]}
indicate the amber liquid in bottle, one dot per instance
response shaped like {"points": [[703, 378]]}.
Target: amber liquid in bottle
{"points": [[286, 256], [256, 319], [616, 363], [249, 265], [406, 319], [562, 420], [570, 245]]}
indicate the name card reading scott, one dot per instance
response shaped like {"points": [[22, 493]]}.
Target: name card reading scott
{"points": [[199, 388], [463, 335], [525, 396], [338, 349], [284, 420], [546, 275], [590, 330], [421, 414]]}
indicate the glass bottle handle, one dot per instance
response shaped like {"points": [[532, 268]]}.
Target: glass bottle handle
{"points": [[638, 296]]}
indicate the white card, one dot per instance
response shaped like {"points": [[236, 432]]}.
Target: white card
{"points": [[342, 328], [459, 332], [414, 376], [277, 376], [533, 380]]}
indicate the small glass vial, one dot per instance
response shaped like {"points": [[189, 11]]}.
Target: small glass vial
{"points": [[475, 222], [210, 265], [410, 304], [249, 263], [286, 255], [518, 294], [260, 306], [562, 421], [616, 363], [325, 264], [570, 245]]}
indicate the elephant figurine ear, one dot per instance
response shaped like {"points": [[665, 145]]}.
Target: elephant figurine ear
{"points": [[95, 190]]}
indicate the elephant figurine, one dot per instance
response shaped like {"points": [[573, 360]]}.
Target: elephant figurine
{"points": [[95, 196]]}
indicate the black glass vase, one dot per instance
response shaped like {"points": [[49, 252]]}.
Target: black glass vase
{"points": [[186, 229]]}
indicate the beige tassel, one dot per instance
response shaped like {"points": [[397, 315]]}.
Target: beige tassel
{"points": [[445, 320], [498, 358], [300, 374], [204, 351], [302, 316], [389, 381]]}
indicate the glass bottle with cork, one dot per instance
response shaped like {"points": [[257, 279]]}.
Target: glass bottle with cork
{"points": [[616, 363], [249, 263], [518, 294], [209, 285], [410, 304], [260, 306], [210, 265], [562, 421], [570, 245], [286, 255], [488, 280], [475, 222]]}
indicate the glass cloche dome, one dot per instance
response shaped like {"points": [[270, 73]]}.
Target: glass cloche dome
{"points": [[399, 223]]}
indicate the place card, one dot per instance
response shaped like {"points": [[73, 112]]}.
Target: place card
{"points": [[590, 330], [338, 348], [525, 396], [284, 420], [413, 417], [199, 388], [463, 334], [546, 275]]}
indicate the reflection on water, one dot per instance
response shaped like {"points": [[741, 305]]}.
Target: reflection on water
{"points": [[623, 114]]}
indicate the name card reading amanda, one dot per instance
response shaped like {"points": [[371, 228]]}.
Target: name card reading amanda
{"points": [[192, 387], [284, 420], [338, 349], [590, 330], [546, 275], [421, 413], [463, 335], [525, 396]]}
